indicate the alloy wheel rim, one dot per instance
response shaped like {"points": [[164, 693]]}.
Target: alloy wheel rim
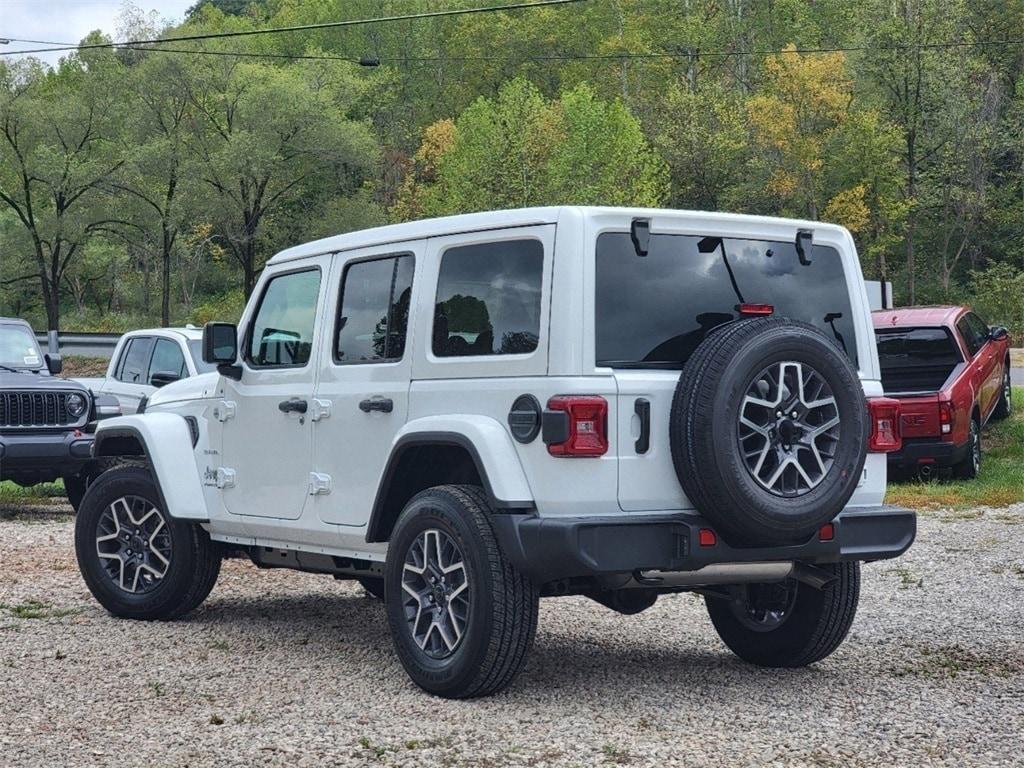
{"points": [[435, 593], [788, 428], [975, 447], [1008, 392], [133, 543]]}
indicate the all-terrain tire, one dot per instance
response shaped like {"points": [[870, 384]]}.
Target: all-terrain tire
{"points": [[502, 603], [704, 430], [815, 625], [194, 561], [969, 467], [1004, 408]]}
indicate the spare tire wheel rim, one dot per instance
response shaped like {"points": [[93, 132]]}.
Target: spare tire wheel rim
{"points": [[789, 428]]}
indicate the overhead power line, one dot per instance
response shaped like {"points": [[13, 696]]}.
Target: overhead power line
{"points": [[302, 27]]}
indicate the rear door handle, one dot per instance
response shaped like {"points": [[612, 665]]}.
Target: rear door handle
{"points": [[293, 406], [377, 403]]}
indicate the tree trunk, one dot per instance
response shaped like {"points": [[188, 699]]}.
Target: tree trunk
{"points": [[165, 279], [911, 212]]}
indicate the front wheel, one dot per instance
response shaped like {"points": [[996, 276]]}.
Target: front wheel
{"points": [[969, 467], [788, 624], [75, 487], [462, 618], [1004, 408], [137, 560]]}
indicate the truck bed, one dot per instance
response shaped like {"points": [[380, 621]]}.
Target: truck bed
{"points": [[918, 379]]}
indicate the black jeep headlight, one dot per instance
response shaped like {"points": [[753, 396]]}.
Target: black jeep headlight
{"points": [[76, 405]]}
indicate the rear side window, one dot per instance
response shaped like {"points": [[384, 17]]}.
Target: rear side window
{"points": [[374, 310], [134, 360], [653, 311], [167, 358], [488, 299], [282, 332], [901, 348]]}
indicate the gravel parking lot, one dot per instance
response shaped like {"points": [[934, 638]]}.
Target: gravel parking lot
{"points": [[279, 668]]}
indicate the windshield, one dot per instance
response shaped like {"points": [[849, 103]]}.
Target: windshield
{"points": [[18, 348], [653, 311], [195, 347]]}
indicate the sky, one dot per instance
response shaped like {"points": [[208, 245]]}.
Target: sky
{"points": [[71, 20]]}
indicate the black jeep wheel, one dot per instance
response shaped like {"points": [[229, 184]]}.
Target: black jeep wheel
{"points": [[1004, 408], [373, 585], [768, 430], [462, 618], [969, 466], [788, 624], [137, 560], [74, 488]]}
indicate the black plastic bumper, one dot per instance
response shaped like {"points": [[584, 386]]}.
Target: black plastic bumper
{"points": [[547, 548], [39, 457], [918, 452]]}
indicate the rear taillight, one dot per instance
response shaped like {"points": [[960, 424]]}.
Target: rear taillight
{"points": [[753, 310], [885, 425], [582, 428], [946, 416]]}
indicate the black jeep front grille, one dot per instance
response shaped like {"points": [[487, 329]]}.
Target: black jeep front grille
{"points": [[35, 409]]}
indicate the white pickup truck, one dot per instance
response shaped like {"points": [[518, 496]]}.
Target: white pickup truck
{"points": [[146, 360]]}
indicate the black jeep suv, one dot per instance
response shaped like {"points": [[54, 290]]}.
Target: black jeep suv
{"points": [[46, 423]]}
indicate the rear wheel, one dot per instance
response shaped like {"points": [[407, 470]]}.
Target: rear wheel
{"points": [[969, 467], [1004, 408], [137, 560], [462, 618], [788, 624], [74, 488]]}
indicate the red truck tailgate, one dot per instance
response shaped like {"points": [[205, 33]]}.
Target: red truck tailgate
{"points": [[919, 416]]}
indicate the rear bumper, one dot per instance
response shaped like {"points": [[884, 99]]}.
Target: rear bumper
{"points": [[547, 549], [917, 452], [41, 457]]}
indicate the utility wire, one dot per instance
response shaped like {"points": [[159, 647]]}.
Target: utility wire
{"points": [[303, 27]]}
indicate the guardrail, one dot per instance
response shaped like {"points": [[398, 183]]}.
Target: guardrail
{"points": [[83, 344]]}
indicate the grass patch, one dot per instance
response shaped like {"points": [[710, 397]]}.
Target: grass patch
{"points": [[1000, 484], [13, 493], [950, 661], [34, 609]]}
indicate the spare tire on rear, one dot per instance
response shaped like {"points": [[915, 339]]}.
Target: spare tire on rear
{"points": [[769, 430]]}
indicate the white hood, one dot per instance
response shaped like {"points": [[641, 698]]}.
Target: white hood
{"points": [[193, 388]]}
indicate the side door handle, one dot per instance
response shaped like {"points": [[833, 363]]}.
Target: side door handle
{"points": [[294, 405], [382, 404], [642, 408]]}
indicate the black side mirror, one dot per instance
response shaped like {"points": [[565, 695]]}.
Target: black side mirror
{"points": [[54, 363], [997, 333], [220, 343], [163, 378]]}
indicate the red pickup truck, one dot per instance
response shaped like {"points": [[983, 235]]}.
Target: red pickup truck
{"points": [[951, 373]]}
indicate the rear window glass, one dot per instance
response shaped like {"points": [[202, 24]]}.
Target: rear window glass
{"points": [[488, 299], [653, 311], [915, 348]]}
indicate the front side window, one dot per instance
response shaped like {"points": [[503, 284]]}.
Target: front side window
{"points": [[488, 299], [653, 311], [167, 358], [18, 348], [373, 314], [282, 331], [969, 335], [134, 360], [980, 328]]}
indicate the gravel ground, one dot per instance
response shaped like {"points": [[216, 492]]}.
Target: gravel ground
{"points": [[281, 668]]}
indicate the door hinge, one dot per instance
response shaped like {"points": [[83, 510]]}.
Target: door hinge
{"points": [[224, 410], [319, 483], [225, 477], [320, 409]]}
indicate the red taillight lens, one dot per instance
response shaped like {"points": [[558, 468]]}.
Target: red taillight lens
{"points": [[946, 416], [885, 425], [827, 532], [587, 428], [756, 309], [706, 537]]}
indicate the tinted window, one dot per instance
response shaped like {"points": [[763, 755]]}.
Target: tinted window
{"points": [[653, 311], [134, 360], [488, 299], [18, 348], [916, 347], [969, 335], [167, 358], [980, 328], [282, 333], [374, 310]]}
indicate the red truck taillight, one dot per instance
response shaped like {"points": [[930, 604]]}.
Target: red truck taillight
{"points": [[947, 415], [584, 431], [885, 425]]}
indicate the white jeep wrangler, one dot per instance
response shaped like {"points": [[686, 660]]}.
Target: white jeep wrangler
{"points": [[467, 414]]}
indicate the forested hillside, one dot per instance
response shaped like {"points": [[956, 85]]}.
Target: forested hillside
{"points": [[149, 183]]}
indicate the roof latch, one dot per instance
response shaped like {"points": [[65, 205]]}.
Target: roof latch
{"points": [[804, 241], [640, 232]]}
